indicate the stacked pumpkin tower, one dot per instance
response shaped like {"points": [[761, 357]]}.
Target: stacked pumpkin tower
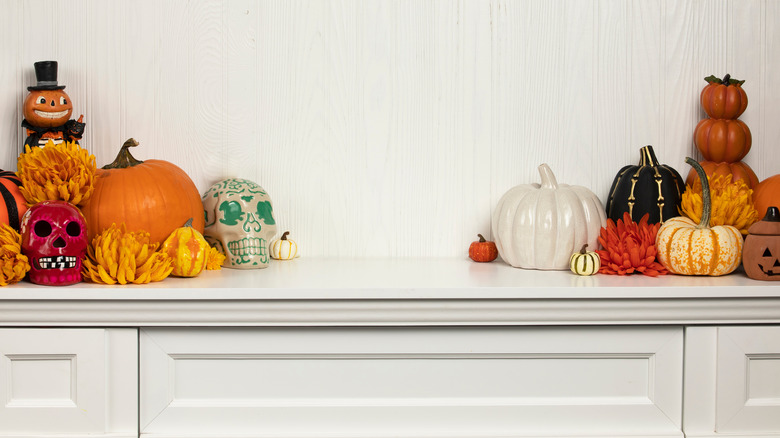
{"points": [[722, 138]]}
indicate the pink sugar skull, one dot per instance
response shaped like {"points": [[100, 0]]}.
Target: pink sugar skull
{"points": [[54, 238]]}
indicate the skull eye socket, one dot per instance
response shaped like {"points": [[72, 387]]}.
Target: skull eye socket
{"points": [[73, 229], [42, 229]]}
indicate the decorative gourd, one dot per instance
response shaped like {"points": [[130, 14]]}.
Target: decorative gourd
{"points": [[723, 99], [153, 195], [284, 248], [722, 140], [687, 248], [738, 170], [761, 256], [188, 250], [483, 250], [584, 262], [14, 205], [539, 226], [766, 194], [648, 187]]}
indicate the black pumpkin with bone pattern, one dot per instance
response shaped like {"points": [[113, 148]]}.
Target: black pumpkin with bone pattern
{"points": [[647, 187]]}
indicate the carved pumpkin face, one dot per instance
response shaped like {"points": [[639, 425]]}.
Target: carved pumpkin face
{"points": [[47, 108], [761, 254]]}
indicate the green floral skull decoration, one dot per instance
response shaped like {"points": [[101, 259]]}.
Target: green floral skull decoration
{"points": [[239, 222]]}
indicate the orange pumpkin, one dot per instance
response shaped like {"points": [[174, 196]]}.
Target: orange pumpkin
{"points": [[47, 108], [722, 140], [188, 250], [767, 194], [687, 248], [153, 195], [13, 203], [483, 250], [723, 98], [738, 170]]}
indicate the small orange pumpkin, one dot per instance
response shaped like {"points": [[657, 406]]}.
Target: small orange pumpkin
{"points": [[153, 195], [723, 98], [188, 250], [483, 250], [687, 248], [722, 140]]}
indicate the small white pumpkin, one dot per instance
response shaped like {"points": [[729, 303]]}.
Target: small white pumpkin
{"points": [[539, 226], [585, 262], [284, 248]]}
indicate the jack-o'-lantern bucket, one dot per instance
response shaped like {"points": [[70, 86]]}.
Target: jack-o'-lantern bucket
{"points": [[761, 254]]}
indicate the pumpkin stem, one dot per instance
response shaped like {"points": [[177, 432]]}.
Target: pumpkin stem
{"points": [[726, 78], [647, 157], [284, 236], [548, 177], [188, 223], [583, 251], [124, 159], [706, 203], [481, 238], [772, 214]]}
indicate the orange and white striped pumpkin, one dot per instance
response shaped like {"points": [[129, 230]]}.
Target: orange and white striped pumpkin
{"points": [[687, 248], [284, 248], [188, 251]]}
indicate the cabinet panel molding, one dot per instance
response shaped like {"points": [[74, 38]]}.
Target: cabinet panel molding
{"points": [[81, 381], [489, 381]]}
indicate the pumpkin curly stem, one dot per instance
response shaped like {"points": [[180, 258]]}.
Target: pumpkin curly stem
{"points": [[284, 236], [583, 250], [124, 159], [706, 202], [481, 238]]}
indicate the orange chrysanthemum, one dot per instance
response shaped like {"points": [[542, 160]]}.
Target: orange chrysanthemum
{"points": [[629, 247], [13, 264], [731, 203]]}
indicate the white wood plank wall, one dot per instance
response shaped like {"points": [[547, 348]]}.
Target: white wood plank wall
{"points": [[391, 128]]}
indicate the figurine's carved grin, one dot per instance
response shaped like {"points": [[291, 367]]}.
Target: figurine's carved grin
{"points": [[58, 262], [51, 115]]}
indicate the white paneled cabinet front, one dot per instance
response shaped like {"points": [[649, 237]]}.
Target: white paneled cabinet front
{"points": [[68, 382], [413, 381]]}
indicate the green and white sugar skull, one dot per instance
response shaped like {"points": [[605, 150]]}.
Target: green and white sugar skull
{"points": [[239, 222]]}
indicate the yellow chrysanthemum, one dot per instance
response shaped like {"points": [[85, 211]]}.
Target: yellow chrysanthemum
{"points": [[732, 203], [215, 258], [57, 172], [119, 256], [13, 264]]}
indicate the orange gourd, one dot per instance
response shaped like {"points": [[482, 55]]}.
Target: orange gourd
{"points": [[483, 250], [738, 170], [767, 194], [153, 195], [723, 98], [722, 140], [687, 248], [188, 250]]}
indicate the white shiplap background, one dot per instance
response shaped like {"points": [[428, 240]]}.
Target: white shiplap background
{"points": [[386, 127]]}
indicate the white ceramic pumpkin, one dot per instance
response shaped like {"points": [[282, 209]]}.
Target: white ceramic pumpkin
{"points": [[539, 226], [284, 248]]}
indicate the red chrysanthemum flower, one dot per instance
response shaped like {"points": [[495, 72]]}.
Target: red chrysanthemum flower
{"points": [[629, 247]]}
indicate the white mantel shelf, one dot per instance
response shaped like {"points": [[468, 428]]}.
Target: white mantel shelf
{"points": [[405, 292]]}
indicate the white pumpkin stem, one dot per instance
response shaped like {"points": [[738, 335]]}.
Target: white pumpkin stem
{"points": [[706, 201], [548, 177], [583, 250], [284, 236]]}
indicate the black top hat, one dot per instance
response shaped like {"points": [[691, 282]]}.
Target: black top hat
{"points": [[46, 74]]}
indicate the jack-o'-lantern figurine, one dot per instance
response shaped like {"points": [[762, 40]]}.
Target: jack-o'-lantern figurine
{"points": [[761, 254], [47, 110]]}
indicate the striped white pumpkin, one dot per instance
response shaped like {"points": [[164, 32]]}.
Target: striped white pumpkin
{"points": [[585, 262], [284, 248]]}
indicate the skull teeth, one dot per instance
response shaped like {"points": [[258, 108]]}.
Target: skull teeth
{"points": [[58, 262], [247, 247]]}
